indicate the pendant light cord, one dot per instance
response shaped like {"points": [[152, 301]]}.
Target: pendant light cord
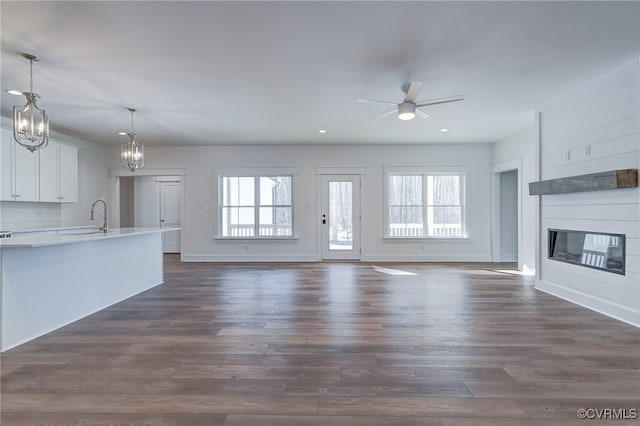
{"points": [[31, 75], [132, 110]]}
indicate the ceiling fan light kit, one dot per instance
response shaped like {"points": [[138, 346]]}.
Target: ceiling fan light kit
{"points": [[406, 111], [409, 108]]}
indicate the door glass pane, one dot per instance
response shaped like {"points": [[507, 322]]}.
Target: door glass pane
{"points": [[340, 215]]}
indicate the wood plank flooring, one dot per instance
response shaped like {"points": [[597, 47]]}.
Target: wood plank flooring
{"points": [[315, 344]]}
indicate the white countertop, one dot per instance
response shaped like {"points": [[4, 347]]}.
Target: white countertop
{"points": [[91, 235], [69, 229]]}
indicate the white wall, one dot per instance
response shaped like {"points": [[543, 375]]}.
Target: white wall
{"points": [[200, 202], [509, 216], [19, 215], [593, 128], [520, 151], [93, 183]]}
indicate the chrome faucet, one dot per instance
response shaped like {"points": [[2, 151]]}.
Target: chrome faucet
{"points": [[105, 225]]}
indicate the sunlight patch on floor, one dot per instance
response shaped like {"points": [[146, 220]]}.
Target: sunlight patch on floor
{"points": [[488, 272], [390, 271], [514, 272], [498, 272]]}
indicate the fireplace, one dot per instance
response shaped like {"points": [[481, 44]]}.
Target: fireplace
{"points": [[596, 250]]}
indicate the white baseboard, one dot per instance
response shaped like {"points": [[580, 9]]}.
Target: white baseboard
{"points": [[252, 258], [316, 258], [426, 258], [603, 306]]}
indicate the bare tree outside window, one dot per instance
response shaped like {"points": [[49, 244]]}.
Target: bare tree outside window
{"points": [[341, 215], [256, 206], [425, 205]]}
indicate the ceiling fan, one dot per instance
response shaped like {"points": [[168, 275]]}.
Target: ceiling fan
{"points": [[408, 108]]}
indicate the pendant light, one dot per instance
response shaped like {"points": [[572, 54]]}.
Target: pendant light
{"points": [[132, 151], [30, 123]]}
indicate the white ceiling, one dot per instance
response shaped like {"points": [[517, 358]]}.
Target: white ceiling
{"points": [[204, 73]]}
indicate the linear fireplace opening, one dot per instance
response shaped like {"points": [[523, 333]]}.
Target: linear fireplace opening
{"points": [[597, 250]]}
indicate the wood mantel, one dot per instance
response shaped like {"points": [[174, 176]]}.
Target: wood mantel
{"points": [[613, 179]]}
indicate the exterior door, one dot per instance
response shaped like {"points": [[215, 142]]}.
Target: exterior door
{"points": [[340, 217], [170, 196]]}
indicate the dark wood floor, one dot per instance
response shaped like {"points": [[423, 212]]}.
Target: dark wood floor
{"points": [[328, 344]]}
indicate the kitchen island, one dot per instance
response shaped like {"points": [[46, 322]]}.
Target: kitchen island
{"points": [[50, 279]]}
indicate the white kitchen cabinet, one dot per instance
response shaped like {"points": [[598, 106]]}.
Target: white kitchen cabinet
{"points": [[68, 159], [19, 174], [59, 173], [6, 172]]}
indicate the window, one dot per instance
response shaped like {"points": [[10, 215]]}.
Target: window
{"points": [[256, 206], [425, 205], [406, 207], [444, 206]]}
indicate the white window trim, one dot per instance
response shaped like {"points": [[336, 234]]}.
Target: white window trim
{"points": [[463, 171], [254, 173], [257, 239]]}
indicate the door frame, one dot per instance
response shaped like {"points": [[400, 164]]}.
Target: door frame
{"points": [[160, 180], [114, 197], [335, 171], [505, 166]]}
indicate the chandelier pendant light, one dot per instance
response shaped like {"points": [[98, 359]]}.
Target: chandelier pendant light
{"points": [[30, 123], [132, 151]]}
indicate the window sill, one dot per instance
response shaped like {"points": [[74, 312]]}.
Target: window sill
{"points": [[426, 239], [256, 239]]}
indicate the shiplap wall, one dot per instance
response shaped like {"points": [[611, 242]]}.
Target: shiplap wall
{"points": [[591, 129]]}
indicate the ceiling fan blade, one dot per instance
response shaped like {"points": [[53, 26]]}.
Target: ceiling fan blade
{"points": [[376, 101], [420, 113], [412, 92], [440, 101], [391, 111]]}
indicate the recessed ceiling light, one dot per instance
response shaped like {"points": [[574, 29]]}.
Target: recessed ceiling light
{"points": [[14, 92], [444, 130], [322, 131]]}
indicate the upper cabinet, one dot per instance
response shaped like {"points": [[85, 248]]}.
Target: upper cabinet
{"points": [[19, 171], [68, 160], [59, 173], [49, 175]]}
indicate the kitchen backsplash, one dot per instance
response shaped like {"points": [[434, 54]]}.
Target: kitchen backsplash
{"points": [[17, 215]]}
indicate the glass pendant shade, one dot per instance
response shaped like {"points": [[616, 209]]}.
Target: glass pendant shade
{"points": [[30, 123], [132, 152]]}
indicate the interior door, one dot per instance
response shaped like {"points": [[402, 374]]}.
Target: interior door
{"points": [[170, 209], [340, 217]]}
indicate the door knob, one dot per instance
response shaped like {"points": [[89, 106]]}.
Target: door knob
{"points": [[324, 219], [161, 220]]}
